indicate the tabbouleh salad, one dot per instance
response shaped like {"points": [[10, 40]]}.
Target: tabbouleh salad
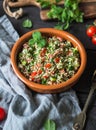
{"points": [[48, 60]]}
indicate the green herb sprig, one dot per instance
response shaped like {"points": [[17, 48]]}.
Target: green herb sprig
{"points": [[50, 125], [37, 39], [27, 23], [44, 4], [47, 3]]}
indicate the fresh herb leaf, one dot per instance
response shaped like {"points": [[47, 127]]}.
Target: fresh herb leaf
{"points": [[55, 12], [47, 3], [27, 23], [44, 4], [37, 39], [42, 43], [57, 1], [44, 81], [59, 26], [36, 36], [50, 125], [31, 42]]}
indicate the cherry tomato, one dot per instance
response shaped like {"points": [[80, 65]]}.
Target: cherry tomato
{"points": [[2, 114], [94, 39], [91, 31]]}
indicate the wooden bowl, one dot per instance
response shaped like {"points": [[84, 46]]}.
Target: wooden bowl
{"points": [[49, 88]]}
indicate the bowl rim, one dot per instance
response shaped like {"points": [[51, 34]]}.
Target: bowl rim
{"points": [[42, 87]]}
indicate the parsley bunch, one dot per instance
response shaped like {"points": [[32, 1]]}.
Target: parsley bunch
{"points": [[37, 39], [66, 15]]}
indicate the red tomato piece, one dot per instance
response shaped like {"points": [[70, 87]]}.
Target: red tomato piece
{"points": [[94, 39], [91, 31], [39, 71], [48, 65], [57, 59], [45, 77], [43, 51], [34, 73], [2, 114]]}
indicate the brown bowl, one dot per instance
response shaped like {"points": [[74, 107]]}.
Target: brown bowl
{"points": [[49, 88]]}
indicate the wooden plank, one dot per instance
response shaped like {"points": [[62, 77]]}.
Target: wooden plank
{"points": [[87, 6], [89, 10], [20, 3], [87, 1]]}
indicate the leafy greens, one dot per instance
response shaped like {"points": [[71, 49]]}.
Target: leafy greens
{"points": [[37, 39], [50, 125], [27, 23], [66, 15]]}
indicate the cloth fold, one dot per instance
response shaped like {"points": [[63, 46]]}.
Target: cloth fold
{"points": [[26, 110]]}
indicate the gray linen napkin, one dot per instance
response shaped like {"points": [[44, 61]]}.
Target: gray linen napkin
{"points": [[25, 110]]}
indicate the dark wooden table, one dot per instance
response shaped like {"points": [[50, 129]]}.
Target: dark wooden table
{"points": [[79, 30]]}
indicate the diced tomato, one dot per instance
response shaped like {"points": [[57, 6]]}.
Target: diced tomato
{"points": [[34, 73], [39, 71], [59, 38], [45, 76], [48, 65], [43, 51], [57, 59]]}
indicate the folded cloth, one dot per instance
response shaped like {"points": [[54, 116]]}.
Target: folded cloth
{"points": [[27, 110]]}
